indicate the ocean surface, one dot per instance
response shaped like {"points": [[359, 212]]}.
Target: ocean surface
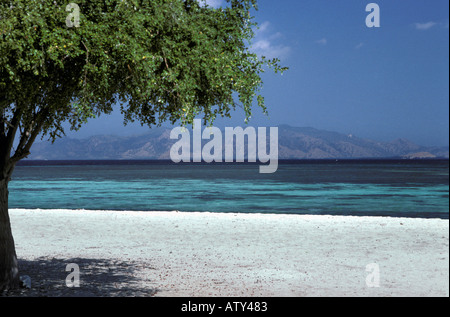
{"points": [[396, 188]]}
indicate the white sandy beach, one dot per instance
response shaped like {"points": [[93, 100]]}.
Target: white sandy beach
{"points": [[204, 254]]}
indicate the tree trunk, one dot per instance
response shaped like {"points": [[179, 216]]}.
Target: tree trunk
{"points": [[9, 269]]}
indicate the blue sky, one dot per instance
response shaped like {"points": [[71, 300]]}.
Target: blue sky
{"points": [[380, 83]]}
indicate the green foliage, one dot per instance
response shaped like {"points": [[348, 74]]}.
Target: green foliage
{"points": [[160, 60]]}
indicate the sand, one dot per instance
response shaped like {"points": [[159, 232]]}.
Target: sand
{"points": [[172, 254]]}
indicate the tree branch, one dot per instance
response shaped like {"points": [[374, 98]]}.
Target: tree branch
{"points": [[87, 63], [29, 136], [10, 135]]}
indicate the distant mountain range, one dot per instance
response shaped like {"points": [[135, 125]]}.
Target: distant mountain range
{"points": [[294, 143]]}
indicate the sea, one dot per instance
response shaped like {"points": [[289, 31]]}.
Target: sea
{"points": [[392, 188]]}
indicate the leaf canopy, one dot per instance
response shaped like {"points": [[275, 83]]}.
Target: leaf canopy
{"points": [[159, 60]]}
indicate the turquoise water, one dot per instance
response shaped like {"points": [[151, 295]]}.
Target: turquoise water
{"points": [[386, 188]]}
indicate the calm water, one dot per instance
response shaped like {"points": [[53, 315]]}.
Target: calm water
{"points": [[387, 188]]}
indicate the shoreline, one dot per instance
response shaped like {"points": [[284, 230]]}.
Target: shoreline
{"points": [[423, 216], [172, 254]]}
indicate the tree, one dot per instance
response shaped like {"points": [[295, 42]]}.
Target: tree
{"points": [[158, 60]]}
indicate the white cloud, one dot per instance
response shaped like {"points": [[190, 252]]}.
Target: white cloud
{"points": [[425, 26], [263, 27], [357, 47], [323, 41], [266, 48], [213, 3], [265, 43]]}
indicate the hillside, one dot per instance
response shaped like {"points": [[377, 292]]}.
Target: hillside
{"points": [[294, 143]]}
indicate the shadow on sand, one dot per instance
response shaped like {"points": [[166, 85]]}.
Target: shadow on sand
{"points": [[97, 278]]}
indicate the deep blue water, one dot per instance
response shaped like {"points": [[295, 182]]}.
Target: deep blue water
{"points": [[400, 188]]}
